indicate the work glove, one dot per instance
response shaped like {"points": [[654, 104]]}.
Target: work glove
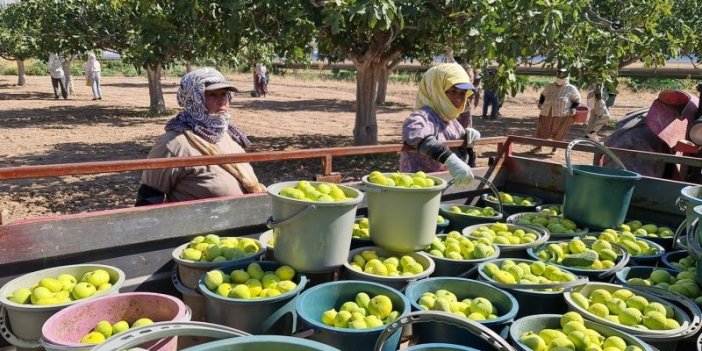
{"points": [[459, 170], [472, 135]]}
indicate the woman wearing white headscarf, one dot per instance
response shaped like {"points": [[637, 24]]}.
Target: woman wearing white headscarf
{"points": [[557, 103], [92, 75], [203, 127], [441, 98]]}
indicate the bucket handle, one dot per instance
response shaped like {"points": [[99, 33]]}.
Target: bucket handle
{"points": [[136, 336], [486, 182], [695, 312], [680, 228], [599, 146], [289, 307], [275, 223], [434, 316], [12, 338], [693, 245]]}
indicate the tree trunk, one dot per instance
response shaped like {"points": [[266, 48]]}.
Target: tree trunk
{"points": [[188, 66], [156, 105], [21, 75], [365, 131], [383, 77], [68, 79]]}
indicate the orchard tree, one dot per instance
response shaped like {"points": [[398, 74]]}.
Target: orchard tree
{"points": [[15, 44]]}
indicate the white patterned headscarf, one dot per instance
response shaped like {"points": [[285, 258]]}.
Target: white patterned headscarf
{"points": [[195, 117]]}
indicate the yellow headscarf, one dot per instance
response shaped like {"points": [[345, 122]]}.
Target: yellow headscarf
{"points": [[432, 89]]}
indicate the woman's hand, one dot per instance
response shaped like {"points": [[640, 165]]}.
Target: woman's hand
{"points": [[459, 170]]}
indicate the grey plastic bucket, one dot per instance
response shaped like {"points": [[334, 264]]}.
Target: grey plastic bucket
{"points": [[597, 197], [530, 300], [189, 271], [513, 219], [509, 209], [403, 219], [233, 339], [322, 230], [314, 301], [399, 282], [269, 315], [505, 303], [25, 321], [462, 220], [539, 322], [689, 320], [446, 267]]}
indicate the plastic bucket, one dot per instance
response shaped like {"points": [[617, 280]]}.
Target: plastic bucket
{"points": [[532, 301], [508, 209], [478, 330], [592, 274], [540, 322], [693, 242], [268, 315], [647, 260], [63, 331], [597, 197], [462, 220], [519, 250], [513, 219], [643, 272], [189, 272], [557, 207], [313, 302], [505, 304], [666, 242], [581, 113], [445, 267], [662, 339], [25, 321], [399, 282], [322, 230], [674, 256], [191, 297], [234, 340], [267, 241], [403, 219]]}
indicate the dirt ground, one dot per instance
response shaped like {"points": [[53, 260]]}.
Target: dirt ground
{"points": [[297, 114]]}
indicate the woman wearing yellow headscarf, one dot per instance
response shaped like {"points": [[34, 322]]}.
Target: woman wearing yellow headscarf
{"points": [[442, 96]]}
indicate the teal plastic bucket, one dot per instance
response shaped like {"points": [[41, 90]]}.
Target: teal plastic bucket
{"points": [[313, 302], [592, 274], [530, 300], [440, 347], [446, 267], [539, 322], [397, 282], [263, 343], [269, 315], [21, 323], [504, 302], [403, 219], [689, 319], [597, 197], [322, 230], [462, 220]]}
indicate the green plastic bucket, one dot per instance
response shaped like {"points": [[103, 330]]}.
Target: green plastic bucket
{"points": [[597, 197], [322, 230], [478, 330], [592, 274], [518, 250], [689, 320], [530, 300], [232, 339], [504, 302], [269, 315], [446, 267], [21, 324], [189, 271], [313, 302], [398, 282], [539, 322], [403, 219]]}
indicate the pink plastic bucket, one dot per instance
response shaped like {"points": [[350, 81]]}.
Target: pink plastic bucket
{"points": [[581, 113], [63, 330]]}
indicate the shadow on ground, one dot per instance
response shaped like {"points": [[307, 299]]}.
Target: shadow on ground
{"points": [[73, 116]]}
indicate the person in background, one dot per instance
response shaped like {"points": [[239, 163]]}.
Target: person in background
{"points": [[442, 96], [491, 98], [92, 75], [203, 127], [261, 80], [557, 103], [599, 114], [56, 71]]}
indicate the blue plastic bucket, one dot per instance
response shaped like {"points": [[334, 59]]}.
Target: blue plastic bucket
{"points": [[269, 315], [312, 303], [592, 274], [540, 322], [504, 302], [673, 256], [643, 272], [597, 197], [647, 260]]}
